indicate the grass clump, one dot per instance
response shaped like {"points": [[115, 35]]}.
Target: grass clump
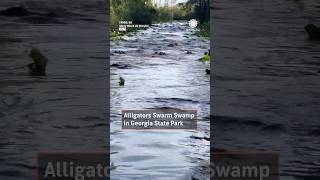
{"points": [[205, 58], [203, 30]]}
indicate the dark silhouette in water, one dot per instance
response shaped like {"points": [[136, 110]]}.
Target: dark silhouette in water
{"points": [[120, 66], [121, 81], [207, 53], [208, 71], [31, 16], [38, 67], [313, 31], [160, 53], [119, 52], [15, 11], [173, 44]]}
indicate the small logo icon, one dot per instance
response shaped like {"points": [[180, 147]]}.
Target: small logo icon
{"points": [[193, 23]]}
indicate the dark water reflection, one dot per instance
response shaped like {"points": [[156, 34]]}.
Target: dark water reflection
{"points": [[266, 81], [64, 110]]}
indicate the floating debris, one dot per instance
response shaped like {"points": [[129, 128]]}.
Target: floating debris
{"points": [[38, 67], [120, 66], [173, 44], [189, 52], [34, 17], [313, 31], [119, 52], [160, 53], [207, 53], [200, 138], [15, 11], [121, 81]]}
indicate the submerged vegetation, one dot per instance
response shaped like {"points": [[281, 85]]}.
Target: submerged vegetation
{"points": [[145, 12]]}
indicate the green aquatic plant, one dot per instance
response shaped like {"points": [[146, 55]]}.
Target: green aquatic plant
{"points": [[121, 81], [203, 30], [205, 58]]}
